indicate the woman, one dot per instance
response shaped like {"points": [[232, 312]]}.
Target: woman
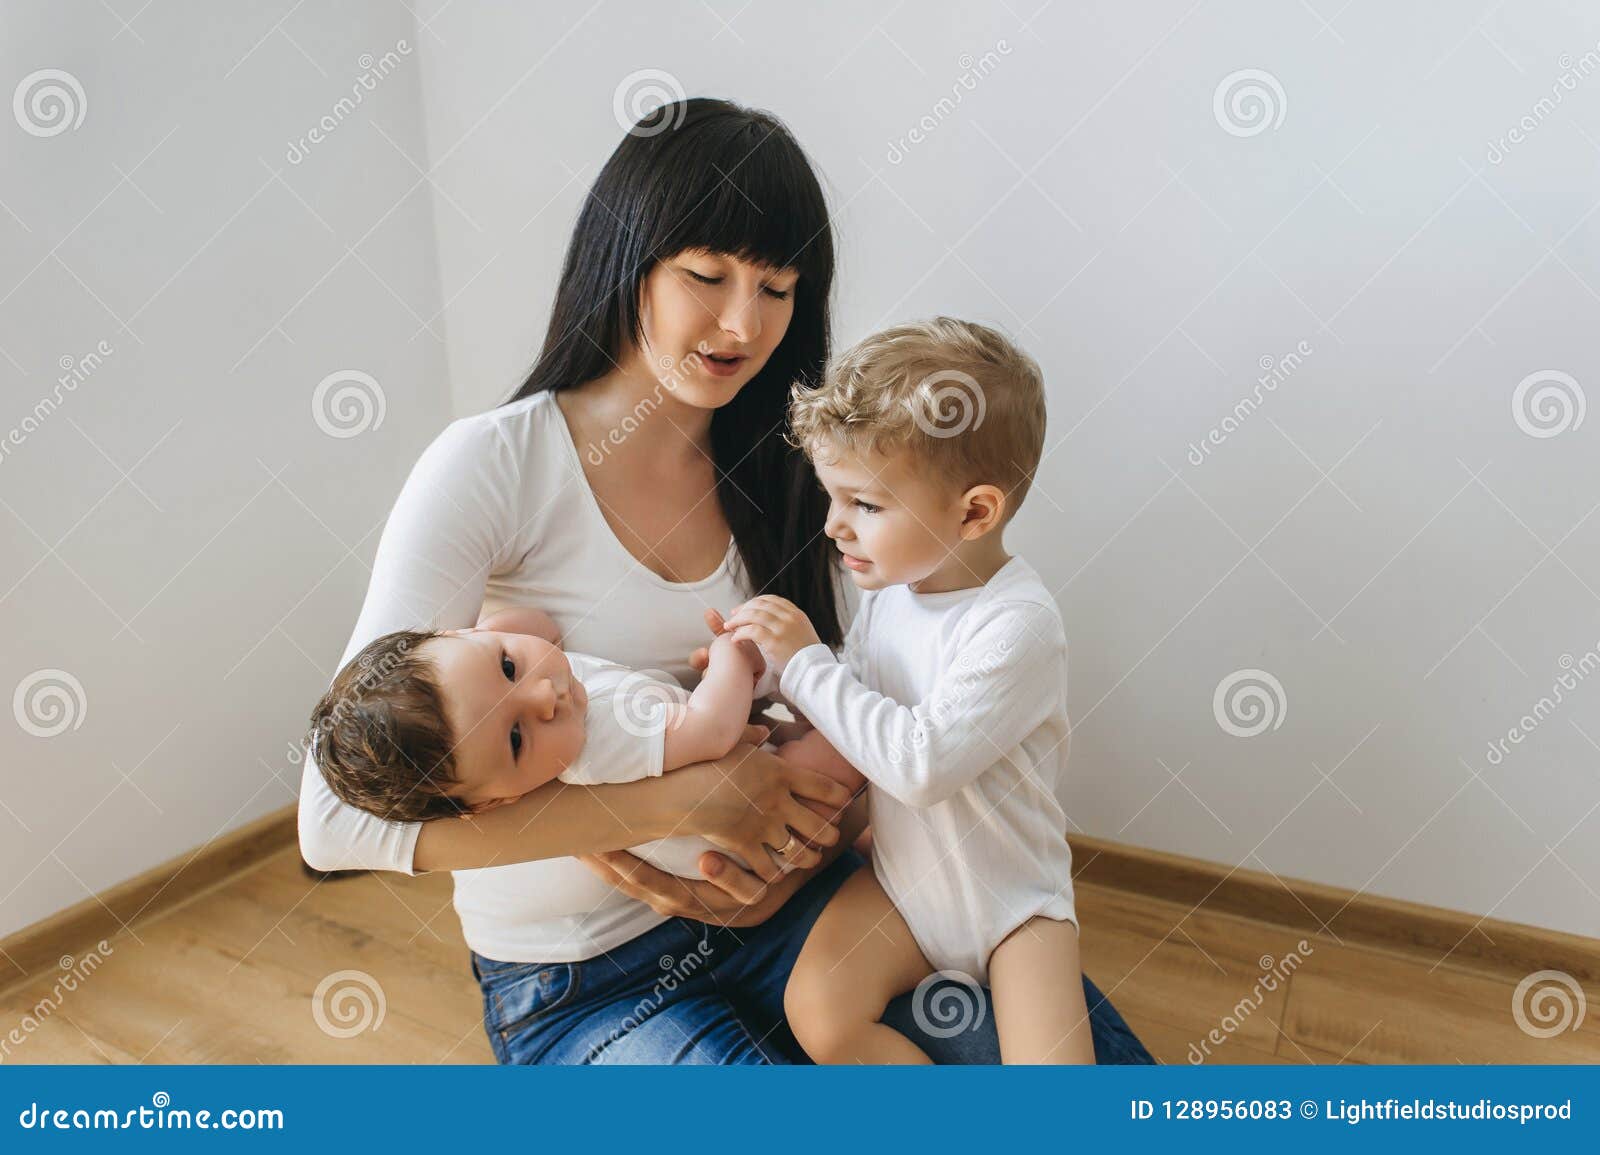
{"points": [[639, 477]]}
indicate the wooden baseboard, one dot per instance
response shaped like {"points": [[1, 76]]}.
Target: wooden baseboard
{"points": [[37, 949], [1368, 920]]}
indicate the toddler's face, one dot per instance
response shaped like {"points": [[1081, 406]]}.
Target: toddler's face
{"points": [[516, 709], [893, 525]]}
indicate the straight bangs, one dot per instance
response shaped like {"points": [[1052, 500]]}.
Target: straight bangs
{"points": [[754, 197]]}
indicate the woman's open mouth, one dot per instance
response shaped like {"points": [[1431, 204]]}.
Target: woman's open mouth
{"points": [[720, 365]]}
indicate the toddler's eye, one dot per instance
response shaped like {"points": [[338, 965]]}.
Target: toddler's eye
{"points": [[516, 740], [508, 667], [866, 507]]}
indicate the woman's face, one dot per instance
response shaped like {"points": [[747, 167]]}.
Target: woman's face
{"points": [[711, 321]]}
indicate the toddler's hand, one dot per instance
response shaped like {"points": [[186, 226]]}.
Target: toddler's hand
{"points": [[775, 624]]}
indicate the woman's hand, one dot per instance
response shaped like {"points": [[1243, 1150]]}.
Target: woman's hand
{"points": [[733, 897], [750, 800], [747, 901]]}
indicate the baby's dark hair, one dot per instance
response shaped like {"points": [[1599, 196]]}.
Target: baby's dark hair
{"points": [[380, 735]]}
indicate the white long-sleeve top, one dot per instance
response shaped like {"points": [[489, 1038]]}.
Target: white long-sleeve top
{"points": [[954, 707], [497, 512]]}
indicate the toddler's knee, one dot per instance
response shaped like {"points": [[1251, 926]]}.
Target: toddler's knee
{"points": [[816, 1016]]}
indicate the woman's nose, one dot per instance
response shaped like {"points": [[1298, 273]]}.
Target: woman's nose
{"points": [[741, 317]]}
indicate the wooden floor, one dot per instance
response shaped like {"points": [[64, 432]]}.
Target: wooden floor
{"points": [[230, 978]]}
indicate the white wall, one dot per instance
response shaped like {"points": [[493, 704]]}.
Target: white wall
{"points": [[1084, 194], [201, 600], [1407, 604]]}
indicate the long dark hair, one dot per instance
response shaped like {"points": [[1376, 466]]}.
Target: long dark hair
{"points": [[708, 174]]}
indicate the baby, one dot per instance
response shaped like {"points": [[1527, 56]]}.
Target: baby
{"points": [[427, 724], [950, 698]]}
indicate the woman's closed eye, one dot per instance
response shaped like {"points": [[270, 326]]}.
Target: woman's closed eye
{"points": [[776, 294]]}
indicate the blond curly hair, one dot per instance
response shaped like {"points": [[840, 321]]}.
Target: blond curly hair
{"points": [[962, 399]]}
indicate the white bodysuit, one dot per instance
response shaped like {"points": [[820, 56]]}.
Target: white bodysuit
{"points": [[954, 707]]}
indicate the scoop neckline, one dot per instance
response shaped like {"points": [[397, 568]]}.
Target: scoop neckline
{"points": [[575, 463]]}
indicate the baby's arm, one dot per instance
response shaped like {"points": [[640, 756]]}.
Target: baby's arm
{"points": [[717, 712], [522, 620]]}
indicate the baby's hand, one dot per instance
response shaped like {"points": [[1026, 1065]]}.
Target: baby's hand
{"points": [[775, 624], [728, 647]]}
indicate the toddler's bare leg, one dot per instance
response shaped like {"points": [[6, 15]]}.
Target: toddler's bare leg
{"points": [[858, 956], [1037, 983]]}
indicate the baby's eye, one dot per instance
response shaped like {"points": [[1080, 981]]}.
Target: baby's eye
{"points": [[866, 506], [516, 740], [508, 667]]}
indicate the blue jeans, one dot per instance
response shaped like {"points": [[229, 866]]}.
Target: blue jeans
{"points": [[688, 992]]}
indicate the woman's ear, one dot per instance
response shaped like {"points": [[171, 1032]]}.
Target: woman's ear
{"points": [[984, 506]]}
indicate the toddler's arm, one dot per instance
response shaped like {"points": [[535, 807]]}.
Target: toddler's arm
{"points": [[522, 620], [714, 719]]}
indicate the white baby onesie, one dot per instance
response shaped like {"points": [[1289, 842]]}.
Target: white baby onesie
{"points": [[626, 740], [954, 707]]}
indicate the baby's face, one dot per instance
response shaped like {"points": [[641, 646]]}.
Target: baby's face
{"points": [[516, 709], [893, 525]]}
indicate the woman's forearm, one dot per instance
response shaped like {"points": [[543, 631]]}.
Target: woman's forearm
{"points": [[554, 821]]}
